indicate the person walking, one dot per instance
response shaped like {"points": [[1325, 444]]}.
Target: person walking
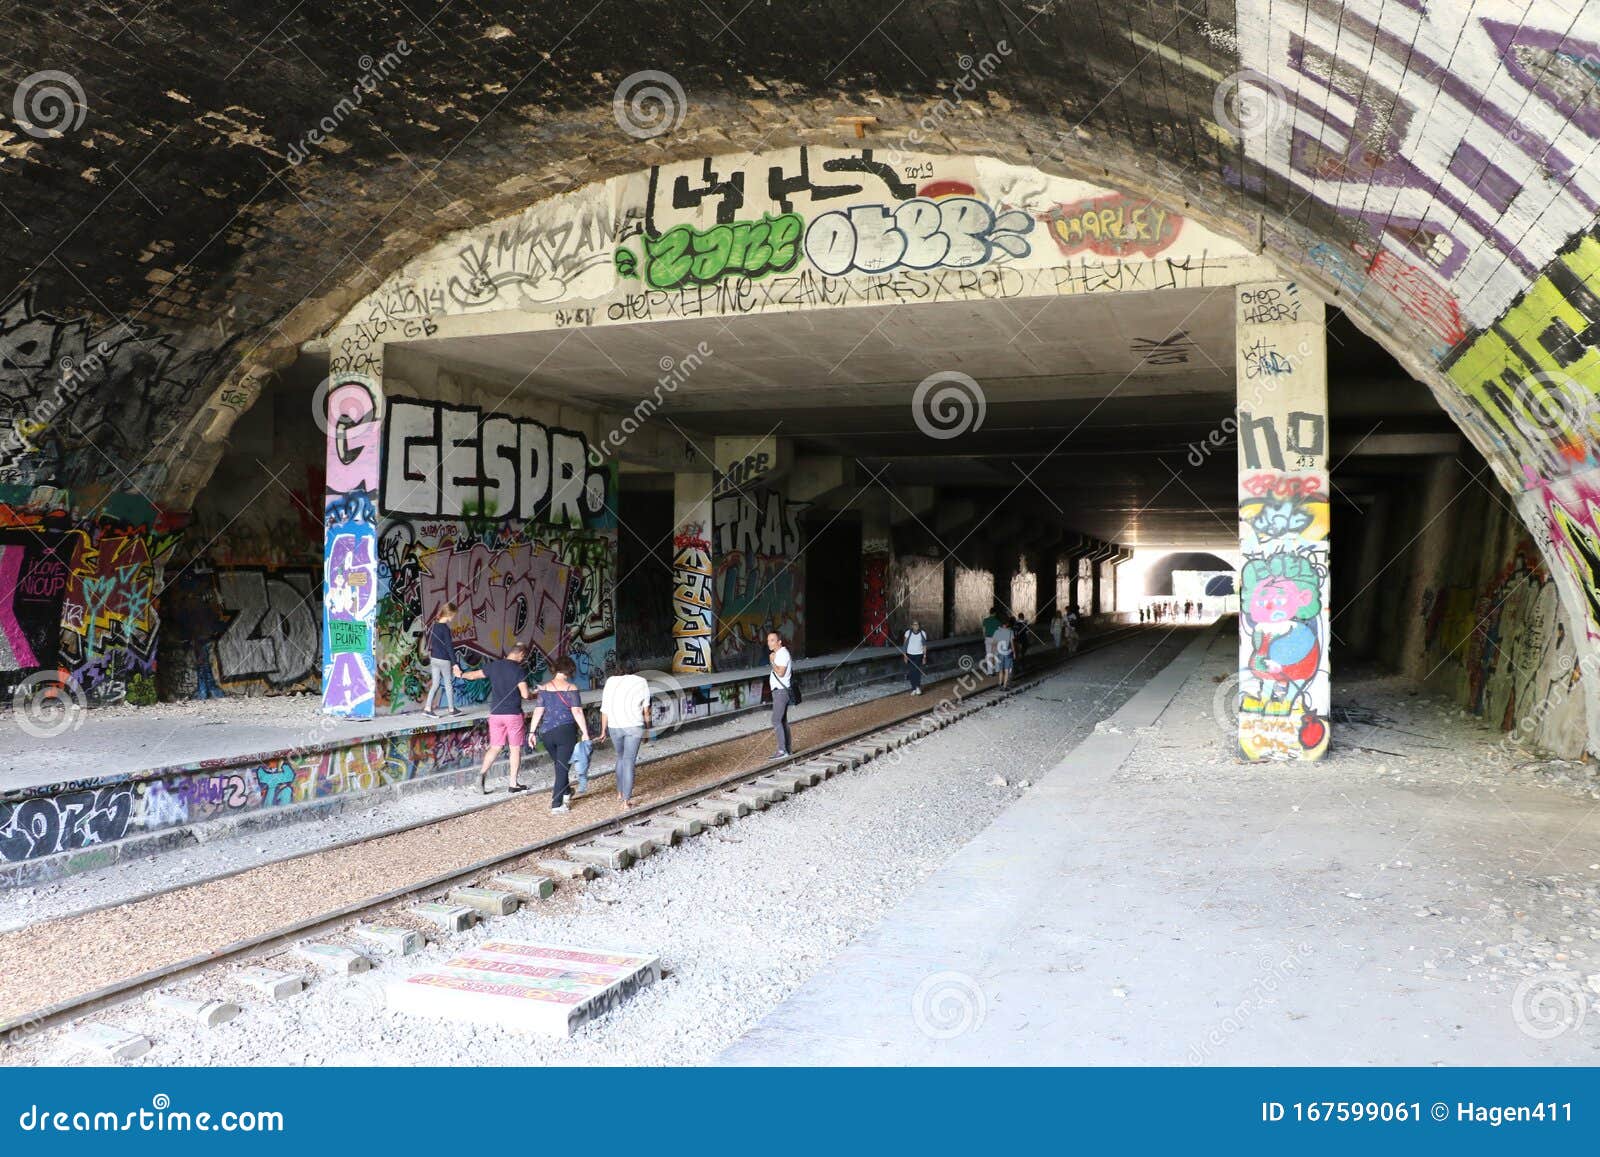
{"points": [[508, 728], [990, 626], [1005, 644], [559, 722], [916, 652], [442, 662], [1057, 626], [780, 680], [625, 717]]}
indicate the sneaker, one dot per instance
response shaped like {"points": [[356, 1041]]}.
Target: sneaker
{"points": [[560, 811], [779, 755]]}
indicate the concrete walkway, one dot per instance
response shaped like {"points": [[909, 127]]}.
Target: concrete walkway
{"points": [[1242, 915]]}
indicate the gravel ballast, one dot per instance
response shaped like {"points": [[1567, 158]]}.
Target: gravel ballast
{"points": [[740, 915]]}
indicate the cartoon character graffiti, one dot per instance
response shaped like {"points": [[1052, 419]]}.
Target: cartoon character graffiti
{"points": [[1283, 605]]}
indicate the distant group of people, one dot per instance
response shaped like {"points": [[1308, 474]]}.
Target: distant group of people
{"points": [[1168, 610]]}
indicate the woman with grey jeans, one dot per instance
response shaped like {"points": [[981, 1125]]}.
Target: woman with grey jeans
{"points": [[441, 659], [780, 680], [625, 717]]}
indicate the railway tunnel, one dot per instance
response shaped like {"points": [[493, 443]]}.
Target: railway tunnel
{"points": [[828, 333]]}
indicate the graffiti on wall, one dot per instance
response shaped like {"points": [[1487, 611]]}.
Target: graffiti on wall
{"points": [[693, 610], [79, 587], [109, 614], [1114, 225], [83, 405], [1530, 381], [759, 579], [81, 818], [33, 581], [1508, 640], [793, 229], [350, 547], [843, 214], [1283, 535], [1436, 246], [875, 598], [506, 519], [272, 633]]}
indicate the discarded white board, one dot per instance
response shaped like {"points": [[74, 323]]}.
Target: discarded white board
{"points": [[521, 984]]}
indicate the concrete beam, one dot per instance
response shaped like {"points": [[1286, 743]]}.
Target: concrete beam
{"points": [[1396, 446], [815, 476]]}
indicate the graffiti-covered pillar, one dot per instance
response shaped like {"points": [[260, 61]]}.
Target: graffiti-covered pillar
{"points": [[693, 606], [1282, 374], [876, 560], [354, 419]]}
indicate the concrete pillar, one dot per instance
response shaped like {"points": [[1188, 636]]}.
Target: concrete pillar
{"points": [[693, 609], [876, 561], [1043, 565], [1428, 556], [948, 627], [354, 424], [1096, 560], [1282, 376], [1354, 627]]}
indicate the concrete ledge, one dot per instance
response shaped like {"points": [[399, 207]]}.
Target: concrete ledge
{"points": [[155, 809]]}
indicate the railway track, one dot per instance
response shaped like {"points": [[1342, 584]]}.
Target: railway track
{"points": [[606, 842]]}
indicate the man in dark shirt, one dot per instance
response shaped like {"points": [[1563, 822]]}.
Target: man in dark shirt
{"points": [[441, 659], [508, 726]]}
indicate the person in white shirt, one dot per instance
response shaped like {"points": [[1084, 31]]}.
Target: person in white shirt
{"points": [[1057, 626], [916, 653], [625, 716], [1005, 651], [780, 680]]}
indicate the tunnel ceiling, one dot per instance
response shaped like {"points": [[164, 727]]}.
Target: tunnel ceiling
{"points": [[191, 204], [1074, 402]]}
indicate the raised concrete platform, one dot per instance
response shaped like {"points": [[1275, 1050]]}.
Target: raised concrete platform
{"points": [[914, 991], [1152, 900], [137, 782], [525, 985]]}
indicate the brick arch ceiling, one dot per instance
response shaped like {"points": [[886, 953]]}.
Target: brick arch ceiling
{"points": [[1431, 167]]}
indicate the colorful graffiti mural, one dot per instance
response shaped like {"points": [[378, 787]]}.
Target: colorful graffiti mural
{"points": [[77, 817], [79, 587], [508, 520], [1531, 381], [693, 610], [759, 577], [1115, 225], [1448, 196], [350, 547], [875, 598], [1284, 634], [795, 229]]}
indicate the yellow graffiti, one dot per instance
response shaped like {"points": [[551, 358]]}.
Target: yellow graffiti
{"points": [[1533, 378]]}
